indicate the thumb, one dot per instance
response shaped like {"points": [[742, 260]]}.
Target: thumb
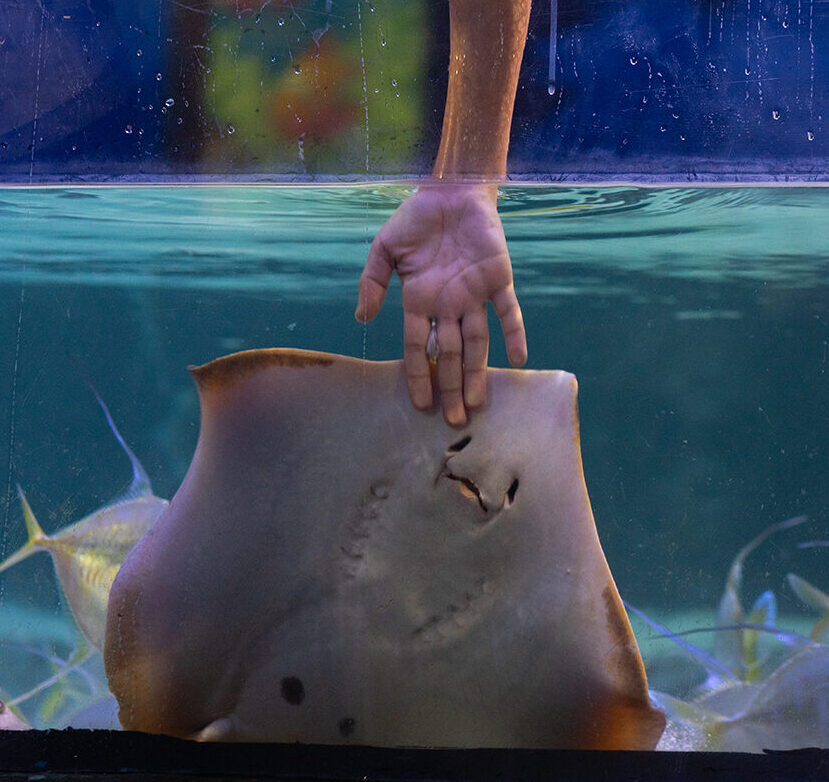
{"points": [[374, 281]]}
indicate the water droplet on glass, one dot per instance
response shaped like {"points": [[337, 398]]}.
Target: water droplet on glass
{"points": [[128, 130], [139, 53], [280, 21], [634, 59], [297, 69], [551, 88], [231, 129], [775, 114], [810, 135], [158, 77], [169, 102]]}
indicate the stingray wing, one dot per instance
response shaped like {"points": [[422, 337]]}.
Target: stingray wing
{"points": [[339, 567]]}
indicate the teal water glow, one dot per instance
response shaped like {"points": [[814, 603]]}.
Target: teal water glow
{"points": [[696, 320]]}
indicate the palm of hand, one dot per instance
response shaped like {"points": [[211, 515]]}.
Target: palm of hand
{"points": [[448, 247]]}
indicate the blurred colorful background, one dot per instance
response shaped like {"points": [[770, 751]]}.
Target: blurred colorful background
{"points": [[136, 89]]}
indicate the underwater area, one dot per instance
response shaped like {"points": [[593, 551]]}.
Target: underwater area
{"points": [[694, 318]]}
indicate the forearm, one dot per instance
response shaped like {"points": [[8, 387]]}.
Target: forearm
{"points": [[487, 43]]}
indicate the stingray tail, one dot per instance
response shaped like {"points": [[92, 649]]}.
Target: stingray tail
{"points": [[36, 535]]}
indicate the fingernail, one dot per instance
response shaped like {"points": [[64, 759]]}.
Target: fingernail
{"points": [[456, 418]]}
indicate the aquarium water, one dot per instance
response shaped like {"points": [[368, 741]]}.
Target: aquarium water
{"points": [[695, 318]]}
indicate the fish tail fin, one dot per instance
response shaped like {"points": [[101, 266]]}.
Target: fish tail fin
{"points": [[33, 528], [36, 535]]}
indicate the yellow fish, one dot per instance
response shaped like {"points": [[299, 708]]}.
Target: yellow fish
{"points": [[88, 554]]}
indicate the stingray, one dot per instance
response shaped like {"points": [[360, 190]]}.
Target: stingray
{"points": [[338, 568]]}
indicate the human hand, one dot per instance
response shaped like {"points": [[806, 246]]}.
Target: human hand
{"points": [[448, 247]]}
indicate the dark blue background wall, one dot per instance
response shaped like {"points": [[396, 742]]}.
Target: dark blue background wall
{"points": [[679, 89]]}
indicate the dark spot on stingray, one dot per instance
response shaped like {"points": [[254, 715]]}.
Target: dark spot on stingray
{"points": [[292, 690], [347, 725], [461, 444], [513, 488], [379, 490]]}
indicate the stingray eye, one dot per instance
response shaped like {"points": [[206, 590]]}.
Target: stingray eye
{"points": [[511, 491], [460, 445]]}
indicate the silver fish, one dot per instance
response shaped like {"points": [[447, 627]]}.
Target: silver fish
{"points": [[88, 554]]}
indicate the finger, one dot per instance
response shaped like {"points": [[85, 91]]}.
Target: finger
{"points": [[416, 330], [512, 323], [374, 281], [450, 372], [475, 332]]}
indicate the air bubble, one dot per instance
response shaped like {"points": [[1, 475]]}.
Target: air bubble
{"points": [[747, 71], [663, 128], [139, 53], [382, 42], [551, 89], [158, 77], [231, 129], [810, 135], [280, 21], [169, 102], [785, 24], [775, 114], [394, 82], [634, 59], [297, 69], [179, 121], [128, 130]]}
